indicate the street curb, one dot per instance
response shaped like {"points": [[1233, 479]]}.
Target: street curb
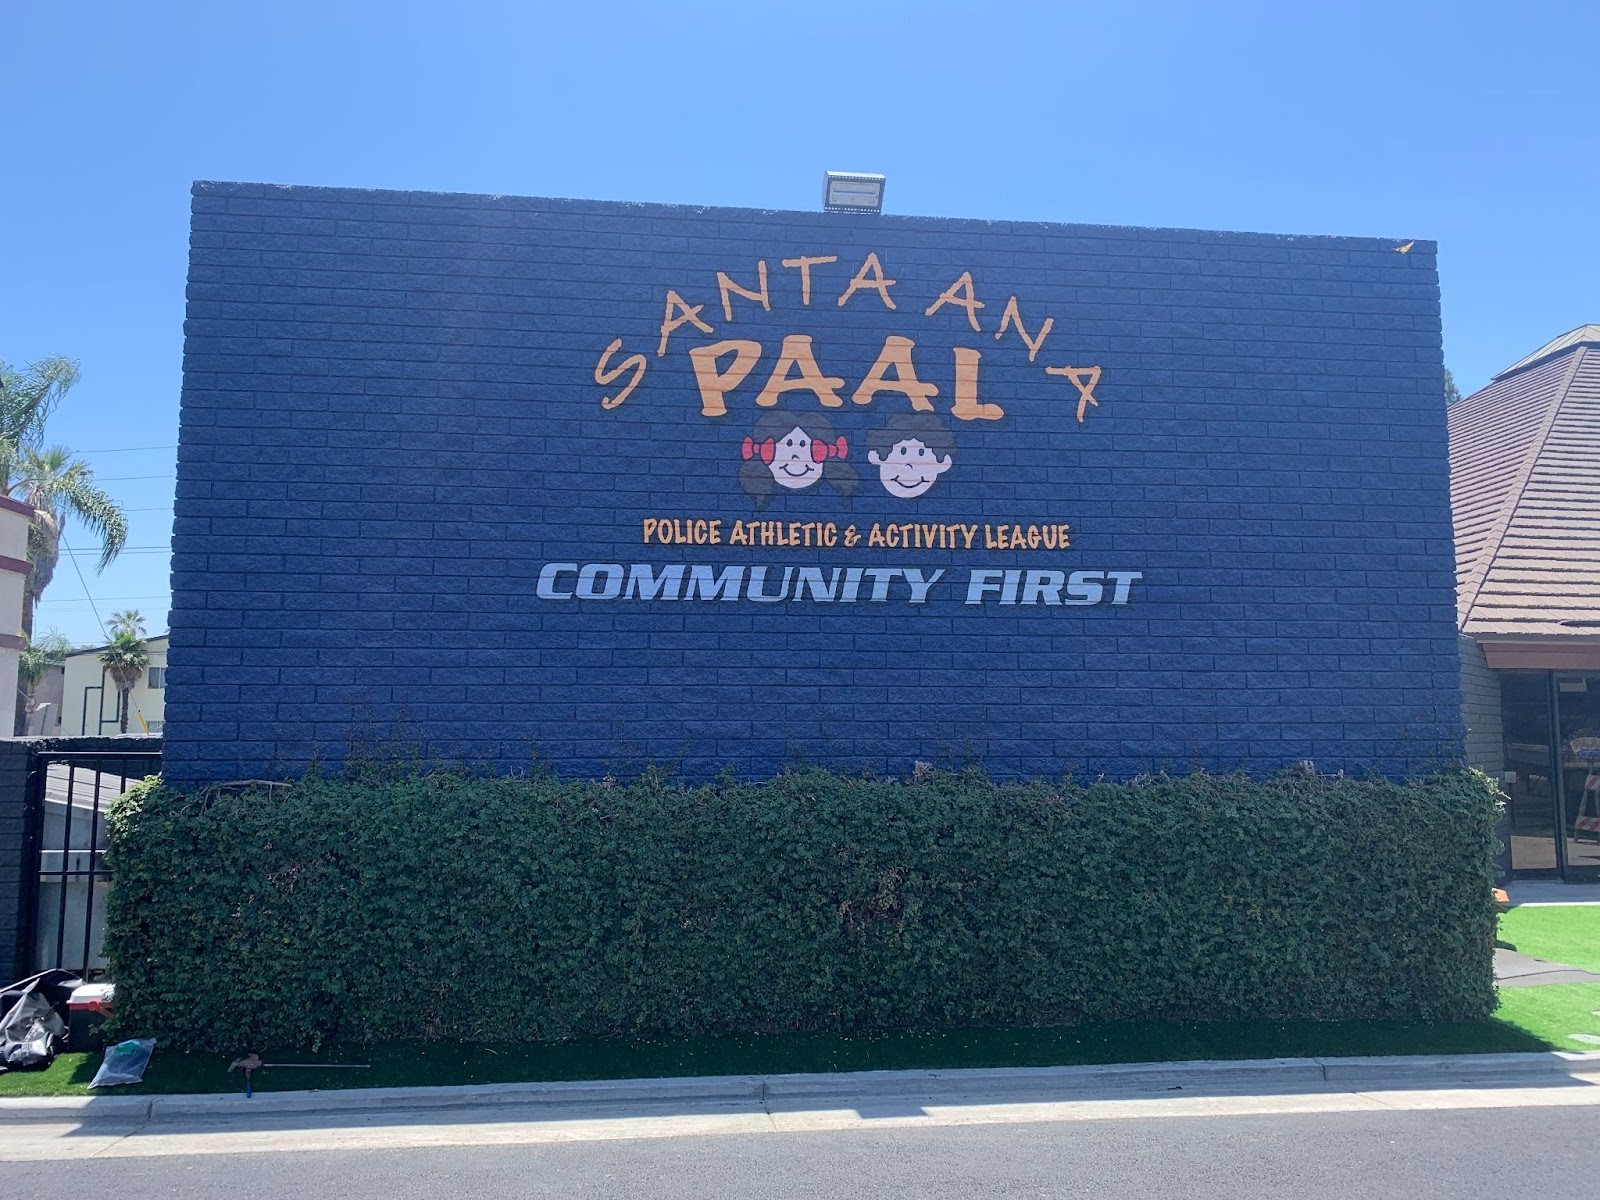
{"points": [[841, 1089]]}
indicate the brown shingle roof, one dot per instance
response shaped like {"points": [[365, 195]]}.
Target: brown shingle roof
{"points": [[1583, 333], [1525, 487]]}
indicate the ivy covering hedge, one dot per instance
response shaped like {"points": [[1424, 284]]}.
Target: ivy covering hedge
{"points": [[442, 905]]}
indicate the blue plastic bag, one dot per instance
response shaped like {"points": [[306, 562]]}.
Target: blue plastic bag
{"points": [[124, 1063]]}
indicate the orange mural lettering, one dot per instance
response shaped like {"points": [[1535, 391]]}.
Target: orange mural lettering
{"points": [[870, 276], [1013, 316], [967, 406], [722, 367], [961, 294], [727, 289], [687, 314], [605, 376], [715, 384], [896, 353], [797, 353], [1082, 378], [805, 265]]}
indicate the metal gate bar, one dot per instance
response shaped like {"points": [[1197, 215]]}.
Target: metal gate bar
{"points": [[84, 775], [66, 859]]}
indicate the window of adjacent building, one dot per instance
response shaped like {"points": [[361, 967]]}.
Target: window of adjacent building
{"points": [[1552, 770], [1530, 782], [157, 678], [1578, 706]]}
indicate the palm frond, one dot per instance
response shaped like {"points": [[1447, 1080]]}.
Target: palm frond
{"points": [[37, 658], [125, 658], [29, 396], [53, 481], [129, 620], [10, 454]]}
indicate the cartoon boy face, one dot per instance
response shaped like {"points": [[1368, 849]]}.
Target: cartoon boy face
{"points": [[793, 465], [909, 469]]}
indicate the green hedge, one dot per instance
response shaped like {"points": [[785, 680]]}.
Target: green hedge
{"points": [[442, 905]]}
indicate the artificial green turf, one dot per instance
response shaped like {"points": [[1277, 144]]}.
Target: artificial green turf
{"points": [[396, 1064], [1564, 933], [1554, 1012], [1536, 1018]]}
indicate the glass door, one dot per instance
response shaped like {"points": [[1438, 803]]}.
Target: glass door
{"points": [[1577, 698], [1530, 778]]}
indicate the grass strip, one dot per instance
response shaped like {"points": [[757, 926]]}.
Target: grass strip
{"points": [[1564, 933], [412, 1064], [1554, 1012], [1530, 1018]]}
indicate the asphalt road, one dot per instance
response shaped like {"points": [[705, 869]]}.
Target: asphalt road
{"points": [[1503, 1153]]}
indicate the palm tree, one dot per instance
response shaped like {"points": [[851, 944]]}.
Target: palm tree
{"points": [[125, 660], [129, 620], [36, 661], [27, 398], [53, 482], [57, 487]]}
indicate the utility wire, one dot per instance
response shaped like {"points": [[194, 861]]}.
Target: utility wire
{"points": [[87, 593], [95, 608], [125, 549]]}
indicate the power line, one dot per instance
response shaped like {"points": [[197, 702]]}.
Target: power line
{"points": [[127, 549], [127, 449], [128, 478], [95, 609], [113, 600], [87, 593]]}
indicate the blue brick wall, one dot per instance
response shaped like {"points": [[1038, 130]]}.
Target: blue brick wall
{"points": [[390, 422]]}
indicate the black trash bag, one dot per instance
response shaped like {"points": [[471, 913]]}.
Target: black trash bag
{"points": [[33, 1019]]}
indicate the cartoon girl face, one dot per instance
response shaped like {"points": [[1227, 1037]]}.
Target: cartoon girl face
{"points": [[909, 468], [793, 452], [796, 460], [792, 465]]}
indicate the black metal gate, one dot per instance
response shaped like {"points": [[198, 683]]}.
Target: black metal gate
{"points": [[68, 795]]}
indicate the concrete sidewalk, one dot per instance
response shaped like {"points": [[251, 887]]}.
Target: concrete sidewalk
{"points": [[1512, 969], [1549, 891], [298, 1124]]}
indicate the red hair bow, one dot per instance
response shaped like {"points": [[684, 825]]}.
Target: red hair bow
{"points": [[822, 451]]}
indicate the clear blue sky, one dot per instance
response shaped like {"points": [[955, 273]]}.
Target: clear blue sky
{"points": [[1468, 122]]}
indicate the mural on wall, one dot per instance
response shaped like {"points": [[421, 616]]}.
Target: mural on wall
{"points": [[481, 464], [794, 451], [911, 452], [723, 367], [795, 448]]}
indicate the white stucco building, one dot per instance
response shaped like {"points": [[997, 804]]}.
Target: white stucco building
{"points": [[14, 520], [89, 697]]}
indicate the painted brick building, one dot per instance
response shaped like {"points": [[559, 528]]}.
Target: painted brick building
{"points": [[615, 483]]}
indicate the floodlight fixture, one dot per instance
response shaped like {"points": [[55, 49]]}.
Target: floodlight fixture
{"points": [[852, 191]]}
